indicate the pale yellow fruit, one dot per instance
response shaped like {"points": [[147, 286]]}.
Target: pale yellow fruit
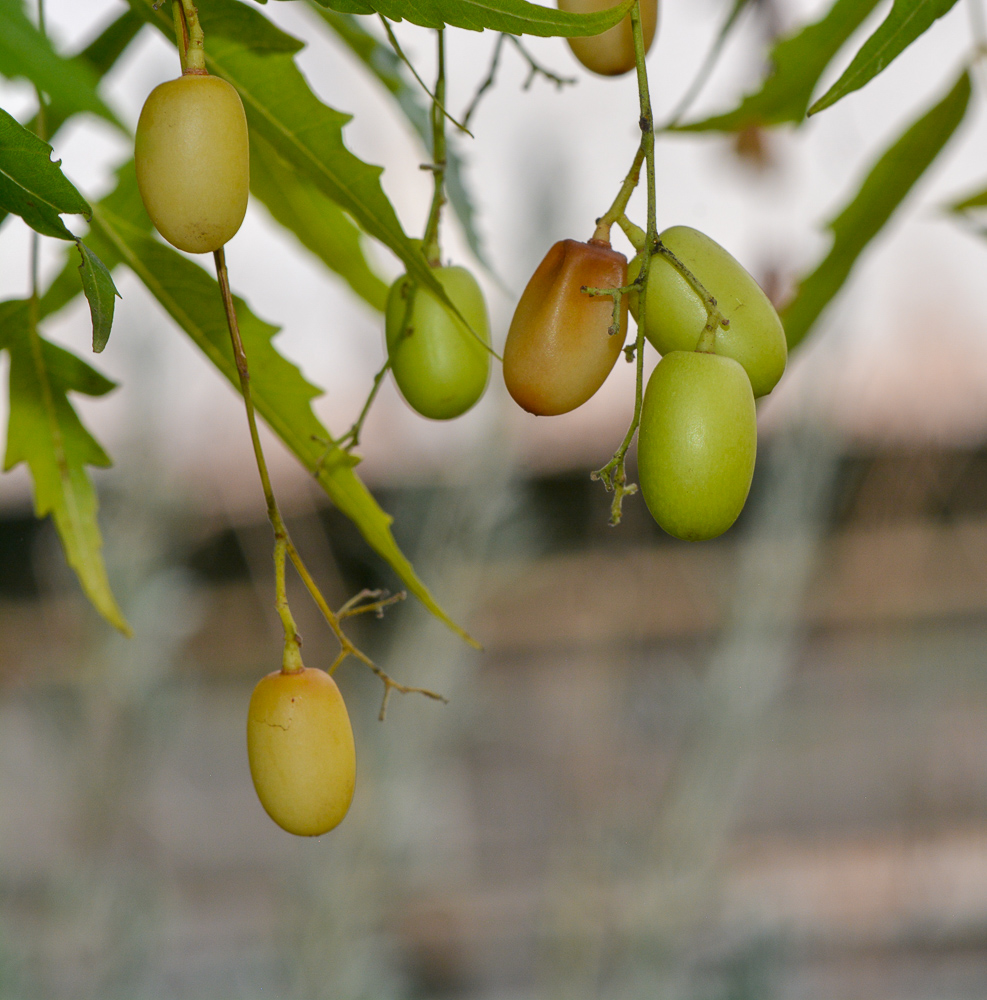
{"points": [[301, 753], [193, 161], [610, 53]]}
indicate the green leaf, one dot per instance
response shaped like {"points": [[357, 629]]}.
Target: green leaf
{"points": [[44, 430], [124, 200], [306, 133], [233, 19], [320, 224], [797, 63], [707, 65], [101, 55], [32, 185], [518, 17], [385, 65], [963, 206], [885, 187], [100, 292], [25, 52], [282, 396], [907, 20]]}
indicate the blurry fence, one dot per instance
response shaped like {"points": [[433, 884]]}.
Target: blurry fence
{"points": [[753, 768]]}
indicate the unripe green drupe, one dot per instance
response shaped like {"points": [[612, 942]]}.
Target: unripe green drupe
{"points": [[696, 443], [439, 365]]}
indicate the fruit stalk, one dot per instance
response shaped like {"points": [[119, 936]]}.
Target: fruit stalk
{"points": [[283, 546], [614, 475], [191, 39], [292, 660], [430, 241]]}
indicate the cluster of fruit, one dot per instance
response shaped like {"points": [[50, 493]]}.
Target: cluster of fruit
{"points": [[698, 433], [697, 436]]}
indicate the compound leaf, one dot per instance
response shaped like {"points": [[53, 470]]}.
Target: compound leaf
{"points": [[907, 20], [797, 63], [44, 430], [385, 65], [281, 394], [31, 183], [517, 17], [320, 224], [885, 187], [306, 133], [26, 52]]}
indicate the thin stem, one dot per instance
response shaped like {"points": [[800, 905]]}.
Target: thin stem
{"points": [[432, 97], [715, 318], [617, 294], [181, 33], [536, 69], [352, 436], [488, 82], [614, 474], [430, 241], [281, 540], [637, 236], [705, 70], [616, 211], [195, 54], [370, 602], [283, 545]]}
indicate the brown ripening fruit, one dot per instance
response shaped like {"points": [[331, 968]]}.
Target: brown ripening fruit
{"points": [[559, 350], [610, 53], [193, 161]]}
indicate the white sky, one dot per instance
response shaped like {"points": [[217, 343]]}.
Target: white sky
{"points": [[902, 355]]}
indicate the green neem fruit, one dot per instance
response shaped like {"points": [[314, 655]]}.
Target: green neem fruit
{"points": [[301, 753], [439, 365], [559, 348], [610, 53], [193, 161], [696, 444], [675, 315]]}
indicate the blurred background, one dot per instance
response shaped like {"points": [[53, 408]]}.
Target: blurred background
{"points": [[742, 770]]}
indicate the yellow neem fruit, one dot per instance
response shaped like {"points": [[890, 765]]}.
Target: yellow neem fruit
{"points": [[300, 747], [193, 161], [610, 53]]}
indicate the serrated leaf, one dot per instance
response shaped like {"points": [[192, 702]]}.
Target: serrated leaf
{"points": [[25, 52], [883, 190], [320, 225], [281, 394], [233, 19], [44, 430], [124, 200], [797, 63], [907, 20], [383, 62], [101, 54], [100, 292], [517, 17], [306, 133], [31, 183]]}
